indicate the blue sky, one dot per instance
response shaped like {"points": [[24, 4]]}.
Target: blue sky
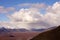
{"points": [[13, 3]]}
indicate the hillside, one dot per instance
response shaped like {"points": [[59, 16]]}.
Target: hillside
{"points": [[53, 34]]}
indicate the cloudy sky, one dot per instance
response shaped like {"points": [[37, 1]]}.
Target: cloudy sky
{"points": [[29, 13]]}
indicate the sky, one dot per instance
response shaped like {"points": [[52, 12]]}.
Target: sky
{"points": [[14, 3], [28, 13]]}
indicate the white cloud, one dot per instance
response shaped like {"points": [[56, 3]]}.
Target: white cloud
{"points": [[53, 14], [13, 25], [32, 18], [6, 10], [26, 15], [33, 5]]}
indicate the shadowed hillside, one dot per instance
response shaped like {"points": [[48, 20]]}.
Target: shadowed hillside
{"points": [[53, 34]]}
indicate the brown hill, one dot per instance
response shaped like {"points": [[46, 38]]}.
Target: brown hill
{"points": [[53, 34]]}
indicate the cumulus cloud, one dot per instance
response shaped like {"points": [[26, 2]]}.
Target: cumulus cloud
{"points": [[33, 18], [26, 15], [53, 14]]}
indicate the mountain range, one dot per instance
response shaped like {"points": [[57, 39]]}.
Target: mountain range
{"points": [[20, 30]]}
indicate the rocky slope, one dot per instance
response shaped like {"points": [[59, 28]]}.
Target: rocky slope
{"points": [[53, 34]]}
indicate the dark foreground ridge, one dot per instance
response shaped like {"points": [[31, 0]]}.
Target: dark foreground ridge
{"points": [[53, 34]]}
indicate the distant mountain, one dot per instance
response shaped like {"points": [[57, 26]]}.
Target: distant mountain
{"points": [[12, 30], [38, 30], [21, 30], [3, 29]]}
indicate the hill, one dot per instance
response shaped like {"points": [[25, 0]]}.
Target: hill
{"points": [[53, 34]]}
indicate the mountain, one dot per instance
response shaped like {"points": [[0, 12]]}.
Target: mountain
{"points": [[23, 30], [4, 30], [38, 30], [51, 34], [20, 30]]}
